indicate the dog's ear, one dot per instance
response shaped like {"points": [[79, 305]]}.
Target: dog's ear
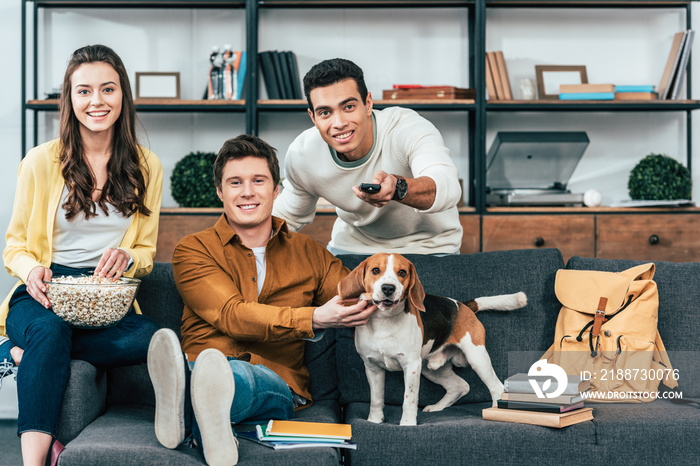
{"points": [[416, 293], [353, 285]]}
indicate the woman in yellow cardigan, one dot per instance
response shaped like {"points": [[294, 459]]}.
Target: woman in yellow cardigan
{"points": [[86, 202]]}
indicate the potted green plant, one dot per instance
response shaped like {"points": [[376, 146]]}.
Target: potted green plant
{"points": [[659, 177], [192, 181]]}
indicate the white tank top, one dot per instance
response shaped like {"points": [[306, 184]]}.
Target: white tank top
{"points": [[80, 243]]}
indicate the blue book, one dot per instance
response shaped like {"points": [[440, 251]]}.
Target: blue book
{"points": [[241, 75], [587, 96], [634, 88]]}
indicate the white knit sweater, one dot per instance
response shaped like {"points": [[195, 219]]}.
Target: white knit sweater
{"points": [[405, 144]]}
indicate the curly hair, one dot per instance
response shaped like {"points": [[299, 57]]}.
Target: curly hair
{"points": [[126, 183]]}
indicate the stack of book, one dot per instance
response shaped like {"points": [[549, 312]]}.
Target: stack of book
{"points": [[520, 404], [284, 435], [497, 82], [606, 92], [280, 72], [676, 64]]}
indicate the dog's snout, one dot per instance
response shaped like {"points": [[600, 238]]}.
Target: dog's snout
{"points": [[388, 289]]}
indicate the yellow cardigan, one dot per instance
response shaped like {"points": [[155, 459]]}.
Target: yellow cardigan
{"points": [[29, 238]]}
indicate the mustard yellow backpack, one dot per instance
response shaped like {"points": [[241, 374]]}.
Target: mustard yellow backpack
{"points": [[607, 331]]}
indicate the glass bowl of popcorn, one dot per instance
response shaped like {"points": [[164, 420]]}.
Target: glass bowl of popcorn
{"points": [[91, 301]]}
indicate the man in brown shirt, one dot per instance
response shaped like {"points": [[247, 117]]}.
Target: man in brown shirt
{"points": [[253, 293]]}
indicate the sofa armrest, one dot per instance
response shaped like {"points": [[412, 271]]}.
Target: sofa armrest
{"points": [[83, 401]]}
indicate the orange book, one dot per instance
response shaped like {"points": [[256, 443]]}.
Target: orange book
{"points": [[671, 65], [636, 96], [503, 71], [490, 86], [578, 88], [496, 74], [538, 418], [309, 429]]}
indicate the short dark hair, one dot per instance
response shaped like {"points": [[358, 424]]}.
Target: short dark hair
{"points": [[243, 146], [333, 71]]}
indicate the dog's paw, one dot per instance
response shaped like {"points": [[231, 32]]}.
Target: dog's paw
{"points": [[433, 408], [376, 418], [522, 298], [407, 422]]}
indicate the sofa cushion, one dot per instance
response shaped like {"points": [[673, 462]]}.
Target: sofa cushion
{"points": [[459, 436], [679, 319], [158, 297], [465, 277], [83, 400], [125, 435], [648, 433]]}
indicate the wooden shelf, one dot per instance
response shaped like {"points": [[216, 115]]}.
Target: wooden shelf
{"points": [[138, 3], [592, 105], [158, 105], [364, 3], [590, 210], [587, 3], [432, 104]]}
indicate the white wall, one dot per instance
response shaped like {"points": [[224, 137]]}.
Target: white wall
{"points": [[392, 46]]}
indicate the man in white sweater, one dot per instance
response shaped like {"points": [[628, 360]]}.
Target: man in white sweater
{"points": [[415, 210]]}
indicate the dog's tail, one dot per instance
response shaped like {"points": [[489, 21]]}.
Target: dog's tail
{"points": [[504, 302]]}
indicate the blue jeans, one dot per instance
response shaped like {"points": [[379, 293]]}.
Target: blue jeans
{"points": [[50, 343], [260, 395]]}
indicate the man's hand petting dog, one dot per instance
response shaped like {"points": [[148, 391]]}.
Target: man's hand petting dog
{"points": [[336, 313]]}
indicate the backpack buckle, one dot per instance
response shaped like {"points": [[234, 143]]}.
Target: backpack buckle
{"points": [[599, 318]]}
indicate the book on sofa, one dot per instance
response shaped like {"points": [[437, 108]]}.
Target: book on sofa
{"points": [[520, 383], [557, 420], [540, 407], [284, 435]]}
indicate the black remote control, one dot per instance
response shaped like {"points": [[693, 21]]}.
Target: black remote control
{"points": [[370, 188]]}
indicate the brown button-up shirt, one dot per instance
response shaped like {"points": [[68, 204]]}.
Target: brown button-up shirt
{"points": [[216, 276]]}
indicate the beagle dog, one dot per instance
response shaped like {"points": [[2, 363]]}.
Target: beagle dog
{"points": [[419, 333]]}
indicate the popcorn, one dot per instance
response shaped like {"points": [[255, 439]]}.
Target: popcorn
{"points": [[91, 301]]}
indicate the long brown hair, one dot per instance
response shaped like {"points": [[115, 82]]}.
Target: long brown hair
{"points": [[126, 185]]}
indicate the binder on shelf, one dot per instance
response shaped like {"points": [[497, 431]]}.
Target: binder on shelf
{"points": [[280, 75], [294, 71], [268, 73], [682, 65], [671, 64]]}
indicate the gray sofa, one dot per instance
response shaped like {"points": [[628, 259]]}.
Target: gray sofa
{"points": [[108, 416]]}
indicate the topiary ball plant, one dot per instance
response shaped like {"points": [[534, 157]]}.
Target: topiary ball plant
{"points": [[192, 181], [659, 177]]}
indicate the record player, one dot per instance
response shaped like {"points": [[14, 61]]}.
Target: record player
{"points": [[533, 168]]}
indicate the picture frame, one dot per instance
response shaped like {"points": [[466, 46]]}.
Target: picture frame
{"points": [[550, 77], [157, 85]]}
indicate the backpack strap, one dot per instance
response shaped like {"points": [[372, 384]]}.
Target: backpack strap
{"points": [[599, 318]]}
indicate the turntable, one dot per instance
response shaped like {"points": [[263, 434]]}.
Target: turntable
{"points": [[533, 168]]}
